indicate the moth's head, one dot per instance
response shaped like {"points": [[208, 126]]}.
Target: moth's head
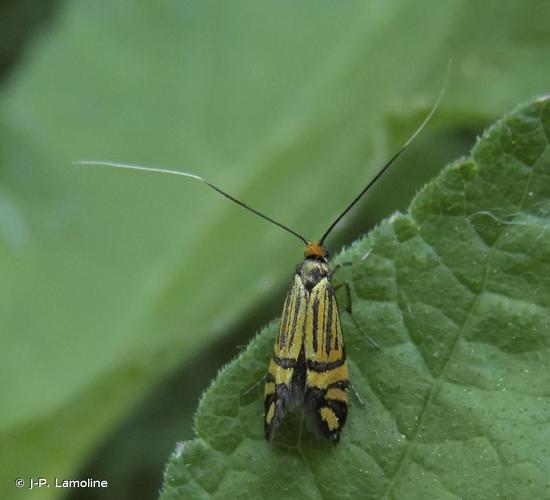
{"points": [[314, 250]]}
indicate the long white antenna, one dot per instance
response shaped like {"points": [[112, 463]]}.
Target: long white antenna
{"points": [[128, 166]]}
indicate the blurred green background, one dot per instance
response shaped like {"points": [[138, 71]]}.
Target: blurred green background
{"points": [[122, 294]]}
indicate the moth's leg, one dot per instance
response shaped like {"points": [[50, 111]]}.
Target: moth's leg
{"points": [[348, 309], [251, 388], [348, 294], [337, 267], [361, 402]]}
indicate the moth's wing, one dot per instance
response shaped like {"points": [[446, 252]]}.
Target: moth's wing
{"points": [[284, 384], [327, 376]]}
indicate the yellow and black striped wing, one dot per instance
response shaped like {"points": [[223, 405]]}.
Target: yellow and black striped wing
{"points": [[327, 376], [284, 383]]}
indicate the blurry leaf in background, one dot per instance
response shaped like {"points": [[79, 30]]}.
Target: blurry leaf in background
{"points": [[18, 19], [110, 280], [456, 293]]}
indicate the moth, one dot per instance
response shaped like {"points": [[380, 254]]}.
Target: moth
{"points": [[308, 368]]}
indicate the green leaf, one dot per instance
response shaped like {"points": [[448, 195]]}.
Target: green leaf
{"points": [[457, 398], [109, 281]]}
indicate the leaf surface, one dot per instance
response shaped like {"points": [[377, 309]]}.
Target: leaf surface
{"points": [[456, 292]]}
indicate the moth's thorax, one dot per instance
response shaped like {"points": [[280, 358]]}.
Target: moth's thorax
{"points": [[312, 271]]}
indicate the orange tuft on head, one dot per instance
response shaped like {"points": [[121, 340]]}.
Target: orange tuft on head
{"points": [[314, 249]]}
